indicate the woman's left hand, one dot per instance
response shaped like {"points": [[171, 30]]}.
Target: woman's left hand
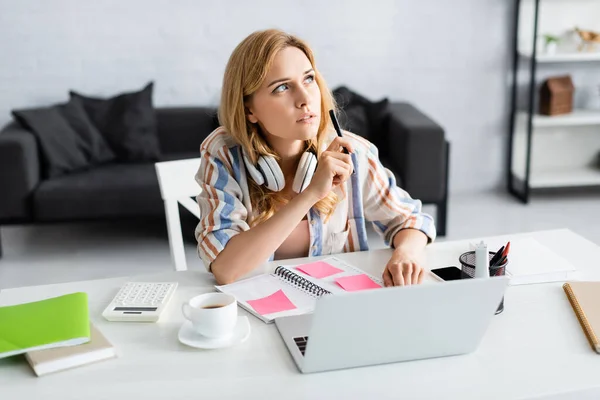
{"points": [[403, 269]]}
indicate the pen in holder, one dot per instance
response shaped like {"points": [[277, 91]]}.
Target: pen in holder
{"points": [[467, 261]]}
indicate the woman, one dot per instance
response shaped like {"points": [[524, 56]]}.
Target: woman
{"points": [[258, 200]]}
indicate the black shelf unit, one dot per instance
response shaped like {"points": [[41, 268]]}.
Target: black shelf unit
{"points": [[520, 186]]}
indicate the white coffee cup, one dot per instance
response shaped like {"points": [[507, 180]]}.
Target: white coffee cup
{"points": [[213, 315]]}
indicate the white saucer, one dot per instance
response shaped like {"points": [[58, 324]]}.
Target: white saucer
{"points": [[189, 337]]}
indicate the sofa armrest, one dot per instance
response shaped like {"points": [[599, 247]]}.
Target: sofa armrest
{"points": [[19, 171], [417, 153]]}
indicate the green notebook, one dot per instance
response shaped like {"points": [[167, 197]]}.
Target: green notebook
{"points": [[55, 322]]}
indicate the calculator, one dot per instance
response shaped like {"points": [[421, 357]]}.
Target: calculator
{"points": [[140, 301]]}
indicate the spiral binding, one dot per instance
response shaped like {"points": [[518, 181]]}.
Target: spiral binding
{"points": [[300, 282]]}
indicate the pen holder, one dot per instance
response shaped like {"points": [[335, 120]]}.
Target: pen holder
{"points": [[467, 262]]}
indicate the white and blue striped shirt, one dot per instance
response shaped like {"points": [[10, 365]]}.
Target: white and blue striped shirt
{"points": [[370, 195]]}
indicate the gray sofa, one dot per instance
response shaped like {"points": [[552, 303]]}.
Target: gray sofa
{"points": [[415, 150]]}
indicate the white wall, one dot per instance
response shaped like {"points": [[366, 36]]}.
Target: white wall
{"points": [[450, 58]]}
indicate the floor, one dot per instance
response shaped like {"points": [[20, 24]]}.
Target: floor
{"points": [[44, 254]]}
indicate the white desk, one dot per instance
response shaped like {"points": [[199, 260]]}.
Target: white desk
{"points": [[534, 349]]}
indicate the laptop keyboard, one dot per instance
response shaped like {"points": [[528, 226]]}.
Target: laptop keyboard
{"points": [[301, 343]]}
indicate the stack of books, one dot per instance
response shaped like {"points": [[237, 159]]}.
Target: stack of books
{"points": [[54, 334]]}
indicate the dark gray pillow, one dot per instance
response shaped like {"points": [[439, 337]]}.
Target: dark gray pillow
{"points": [[59, 143], [68, 139], [127, 122], [354, 118], [92, 142]]}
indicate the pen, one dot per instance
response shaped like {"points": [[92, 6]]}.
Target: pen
{"points": [[506, 249], [501, 262], [497, 256], [337, 127]]}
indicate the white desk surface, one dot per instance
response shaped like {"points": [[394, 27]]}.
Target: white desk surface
{"points": [[534, 349]]}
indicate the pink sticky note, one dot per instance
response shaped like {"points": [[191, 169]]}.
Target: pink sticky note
{"points": [[276, 302], [319, 269], [356, 282]]}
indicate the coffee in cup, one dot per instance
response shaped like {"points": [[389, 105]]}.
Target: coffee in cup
{"points": [[215, 306], [213, 315]]}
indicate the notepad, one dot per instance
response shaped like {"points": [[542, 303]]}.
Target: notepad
{"points": [[55, 322], [585, 300], [319, 269], [273, 303], [293, 282], [356, 282]]}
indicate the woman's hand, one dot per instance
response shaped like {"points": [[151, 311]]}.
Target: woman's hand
{"points": [[334, 167], [403, 269]]}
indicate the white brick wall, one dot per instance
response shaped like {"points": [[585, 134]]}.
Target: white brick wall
{"points": [[450, 58]]}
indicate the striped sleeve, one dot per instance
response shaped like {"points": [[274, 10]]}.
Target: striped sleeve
{"points": [[222, 212], [389, 207]]}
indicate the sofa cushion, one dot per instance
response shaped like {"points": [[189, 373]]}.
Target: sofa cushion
{"points": [[92, 143], [183, 129], [354, 118], [127, 121], [180, 156], [58, 140], [371, 118], [373, 121], [106, 191], [68, 139]]}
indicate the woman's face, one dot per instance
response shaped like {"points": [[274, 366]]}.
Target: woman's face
{"points": [[288, 103]]}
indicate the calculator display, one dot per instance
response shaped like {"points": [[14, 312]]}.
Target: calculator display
{"points": [[136, 308]]}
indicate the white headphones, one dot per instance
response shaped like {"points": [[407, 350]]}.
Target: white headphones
{"points": [[267, 172]]}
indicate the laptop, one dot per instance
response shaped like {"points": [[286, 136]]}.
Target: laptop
{"points": [[393, 324]]}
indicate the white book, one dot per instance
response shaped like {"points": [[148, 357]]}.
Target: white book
{"points": [[61, 358]]}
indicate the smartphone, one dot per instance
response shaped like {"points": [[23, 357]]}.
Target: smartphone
{"points": [[451, 273]]}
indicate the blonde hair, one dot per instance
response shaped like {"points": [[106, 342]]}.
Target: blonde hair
{"points": [[246, 71]]}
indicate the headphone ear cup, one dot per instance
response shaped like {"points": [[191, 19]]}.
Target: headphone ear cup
{"points": [[254, 173], [305, 172], [274, 179]]}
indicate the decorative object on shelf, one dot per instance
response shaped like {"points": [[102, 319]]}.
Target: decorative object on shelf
{"points": [[556, 95], [550, 43], [589, 39]]}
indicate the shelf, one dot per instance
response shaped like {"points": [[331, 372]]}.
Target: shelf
{"points": [[560, 178], [565, 57], [576, 118], [560, 152]]}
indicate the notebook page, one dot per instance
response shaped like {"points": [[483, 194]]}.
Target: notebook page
{"points": [[265, 285]]}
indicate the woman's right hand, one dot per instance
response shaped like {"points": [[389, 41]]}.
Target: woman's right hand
{"points": [[334, 167]]}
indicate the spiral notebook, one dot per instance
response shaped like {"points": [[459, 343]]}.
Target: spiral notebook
{"points": [[585, 300], [289, 284]]}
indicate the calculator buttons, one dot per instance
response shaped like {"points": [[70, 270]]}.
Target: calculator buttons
{"points": [[147, 297]]}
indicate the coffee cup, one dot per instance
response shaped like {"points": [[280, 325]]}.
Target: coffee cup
{"points": [[213, 315]]}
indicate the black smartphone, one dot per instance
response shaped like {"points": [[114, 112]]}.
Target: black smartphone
{"points": [[451, 273]]}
